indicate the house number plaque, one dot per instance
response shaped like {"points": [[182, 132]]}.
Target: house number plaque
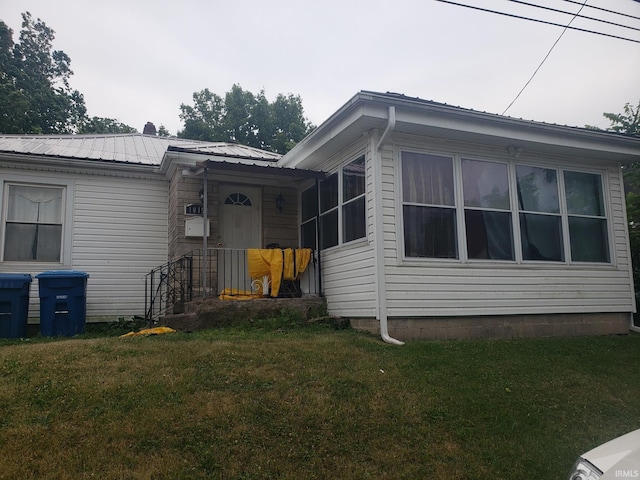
{"points": [[193, 209]]}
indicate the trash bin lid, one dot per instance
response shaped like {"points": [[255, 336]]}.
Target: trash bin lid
{"points": [[62, 274], [11, 280]]}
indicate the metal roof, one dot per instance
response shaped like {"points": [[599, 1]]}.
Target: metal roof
{"points": [[133, 148]]}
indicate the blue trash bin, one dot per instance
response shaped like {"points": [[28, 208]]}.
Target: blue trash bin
{"points": [[63, 302], [14, 304]]}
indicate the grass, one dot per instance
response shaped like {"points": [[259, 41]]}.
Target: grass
{"points": [[278, 399]]}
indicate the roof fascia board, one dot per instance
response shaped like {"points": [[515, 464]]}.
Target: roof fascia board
{"points": [[517, 131], [350, 113], [446, 118], [79, 164]]}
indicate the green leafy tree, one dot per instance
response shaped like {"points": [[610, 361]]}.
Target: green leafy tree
{"points": [[628, 123], [35, 96], [163, 132], [244, 118], [104, 125]]}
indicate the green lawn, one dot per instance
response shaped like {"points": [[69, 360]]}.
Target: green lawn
{"points": [[280, 400]]}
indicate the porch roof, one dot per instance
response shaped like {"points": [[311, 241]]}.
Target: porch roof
{"points": [[268, 168]]}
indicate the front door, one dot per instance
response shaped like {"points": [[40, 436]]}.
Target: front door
{"points": [[240, 229]]}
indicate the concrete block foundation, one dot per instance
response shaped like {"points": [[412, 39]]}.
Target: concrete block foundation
{"points": [[508, 326]]}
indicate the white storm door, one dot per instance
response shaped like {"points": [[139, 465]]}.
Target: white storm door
{"points": [[240, 229]]}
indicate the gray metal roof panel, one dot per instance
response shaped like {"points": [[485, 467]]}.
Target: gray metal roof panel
{"points": [[127, 148]]}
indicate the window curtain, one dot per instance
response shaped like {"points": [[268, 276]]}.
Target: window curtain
{"points": [[34, 204]]}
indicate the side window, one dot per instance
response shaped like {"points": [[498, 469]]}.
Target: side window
{"points": [[428, 206], [354, 222], [308, 227], [342, 204], [33, 223], [329, 212]]}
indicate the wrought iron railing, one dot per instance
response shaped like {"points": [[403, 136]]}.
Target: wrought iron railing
{"points": [[167, 287], [220, 271]]}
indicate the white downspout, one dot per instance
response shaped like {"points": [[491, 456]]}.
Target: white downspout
{"points": [[378, 231]]}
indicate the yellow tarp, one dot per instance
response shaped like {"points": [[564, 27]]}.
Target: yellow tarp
{"points": [[235, 294], [149, 331], [266, 261], [274, 263]]}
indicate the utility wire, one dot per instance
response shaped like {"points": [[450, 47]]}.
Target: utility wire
{"points": [[540, 21], [605, 10], [571, 13], [544, 59]]}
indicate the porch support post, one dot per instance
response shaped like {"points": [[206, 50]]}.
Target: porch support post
{"points": [[205, 246]]}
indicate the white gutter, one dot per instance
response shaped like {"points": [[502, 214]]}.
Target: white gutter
{"points": [[378, 231]]}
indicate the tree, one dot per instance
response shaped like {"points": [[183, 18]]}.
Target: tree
{"points": [[245, 118], [163, 132], [35, 96], [628, 123], [104, 125]]}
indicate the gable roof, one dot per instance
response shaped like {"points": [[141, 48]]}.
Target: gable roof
{"points": [[369, 111], [130, 148]]}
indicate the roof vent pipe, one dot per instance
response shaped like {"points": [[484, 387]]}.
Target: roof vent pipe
{"points": [[379, 233]]}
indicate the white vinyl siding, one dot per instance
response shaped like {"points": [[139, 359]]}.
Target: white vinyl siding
{"points": [[348, 271], [120, 234], [115, 229], [423, 288]]}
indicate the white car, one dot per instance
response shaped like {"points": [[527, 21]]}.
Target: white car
{"points": [[617, 459]]}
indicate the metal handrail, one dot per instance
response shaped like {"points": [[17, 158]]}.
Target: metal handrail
{"points": [[204, 275]]}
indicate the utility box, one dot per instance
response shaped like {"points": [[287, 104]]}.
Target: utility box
{"points": [[63, 302], [14, 304], [193, 227]]}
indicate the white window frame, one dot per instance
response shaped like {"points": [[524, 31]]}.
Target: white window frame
{"points": [[339, 207], [67, 187], [515, 221]]}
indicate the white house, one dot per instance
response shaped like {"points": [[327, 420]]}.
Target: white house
{"points": [[437, 221], [428, 221]]}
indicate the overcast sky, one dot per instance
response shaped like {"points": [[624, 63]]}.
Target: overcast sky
{"points": [[138, 60]]}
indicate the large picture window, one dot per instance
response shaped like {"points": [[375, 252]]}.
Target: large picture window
{"points": [[487, 212], [428, 206], [341, 201], [539, 213], [587, 221], [507, 211], [33, 223]]}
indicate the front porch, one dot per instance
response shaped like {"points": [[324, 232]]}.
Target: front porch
{"points": [[202, 314], [214, 287]]}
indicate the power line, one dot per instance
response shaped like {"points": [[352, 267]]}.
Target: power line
{"points": [[544, 59], [541, 21], [571, 13], [604, 9]]}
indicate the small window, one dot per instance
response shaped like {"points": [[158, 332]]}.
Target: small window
{"points": [[238, 199], [309, 225], [33, 227], [329, 212], [354, 222]]}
